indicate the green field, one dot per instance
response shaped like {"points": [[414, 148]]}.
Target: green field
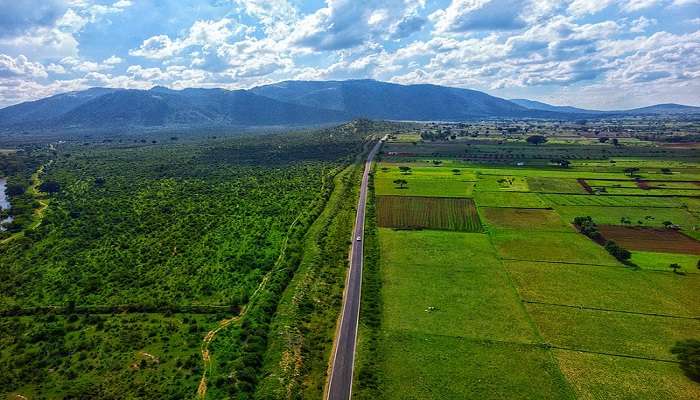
{"points": [[508, 199], [423, 181], [565, 247], [555, 185], [524, 218], [532, 294], [599, 376], [421, 367], [490, 183], [611, 333], [458, 275], [614, 201], [451, 319], [644, 216], [661, 261], [405, 212], [614, 288]]}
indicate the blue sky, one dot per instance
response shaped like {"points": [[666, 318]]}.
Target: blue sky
{"points": [[601, 54]]}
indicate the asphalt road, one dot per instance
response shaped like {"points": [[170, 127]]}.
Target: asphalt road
{"points": [[340, 381]]}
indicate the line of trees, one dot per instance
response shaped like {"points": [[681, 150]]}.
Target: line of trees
{"points": [[588, 227]]}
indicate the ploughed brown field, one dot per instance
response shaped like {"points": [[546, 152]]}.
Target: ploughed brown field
{"points": [[650, 239]]}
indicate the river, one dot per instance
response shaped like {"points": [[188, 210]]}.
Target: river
{"points": [[4, 202]]}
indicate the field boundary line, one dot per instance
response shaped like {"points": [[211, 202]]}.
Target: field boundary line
{"points": [[614, 354], [610, 310], [538, 344], [534, 326], [641, 270], [564, 262]]}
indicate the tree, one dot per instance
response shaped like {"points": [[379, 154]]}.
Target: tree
{"points": [[615, 142], [401, 183], [666, 171], [631, 171], [456, 171], [14, 190], [688, 353], [603, 139], [405, 170], [562, 163], [437, 162], [675, 267], [616, 251], [50, 187], [669, 225], [536, 139], [99, 181]]}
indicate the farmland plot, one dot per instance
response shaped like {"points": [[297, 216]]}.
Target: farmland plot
{"points": [[554, 185], [613, 201], [648, 239], [524, 218], [455, 214]]}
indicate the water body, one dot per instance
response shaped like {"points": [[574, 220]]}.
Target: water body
{"points": [[4, 202]]}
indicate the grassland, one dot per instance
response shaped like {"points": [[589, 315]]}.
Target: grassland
{"points": [[524, 218], [599, 376], [549, 246], [423, 181], [459, 276], [661, 261], [612, 288], [508, 199], [451, 320], [405, 212], [640, 216]]}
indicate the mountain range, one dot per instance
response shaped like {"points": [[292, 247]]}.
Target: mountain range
{"points": [[284, 103]]}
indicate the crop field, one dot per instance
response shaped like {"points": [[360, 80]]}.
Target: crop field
{"points": [[603, 287], [599, 376], [524, 218], [606, 332], [651, 239], [508, 199], [423, 181], [446, 293], [554, 185], [661, 261], [424, 187], [588, 325], [637, 216], [489, 183], [615, 201], [467, 289], [550, 246], [443, 213]]}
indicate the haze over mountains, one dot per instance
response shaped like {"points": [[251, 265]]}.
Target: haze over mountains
{"points": [[284, 103]]}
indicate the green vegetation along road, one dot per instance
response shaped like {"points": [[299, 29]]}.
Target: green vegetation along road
{"points": [[342, 363]]}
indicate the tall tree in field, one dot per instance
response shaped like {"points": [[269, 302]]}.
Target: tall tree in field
{"points": [[631, 171], [401, 183], [536, 139], [404, 170]]}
